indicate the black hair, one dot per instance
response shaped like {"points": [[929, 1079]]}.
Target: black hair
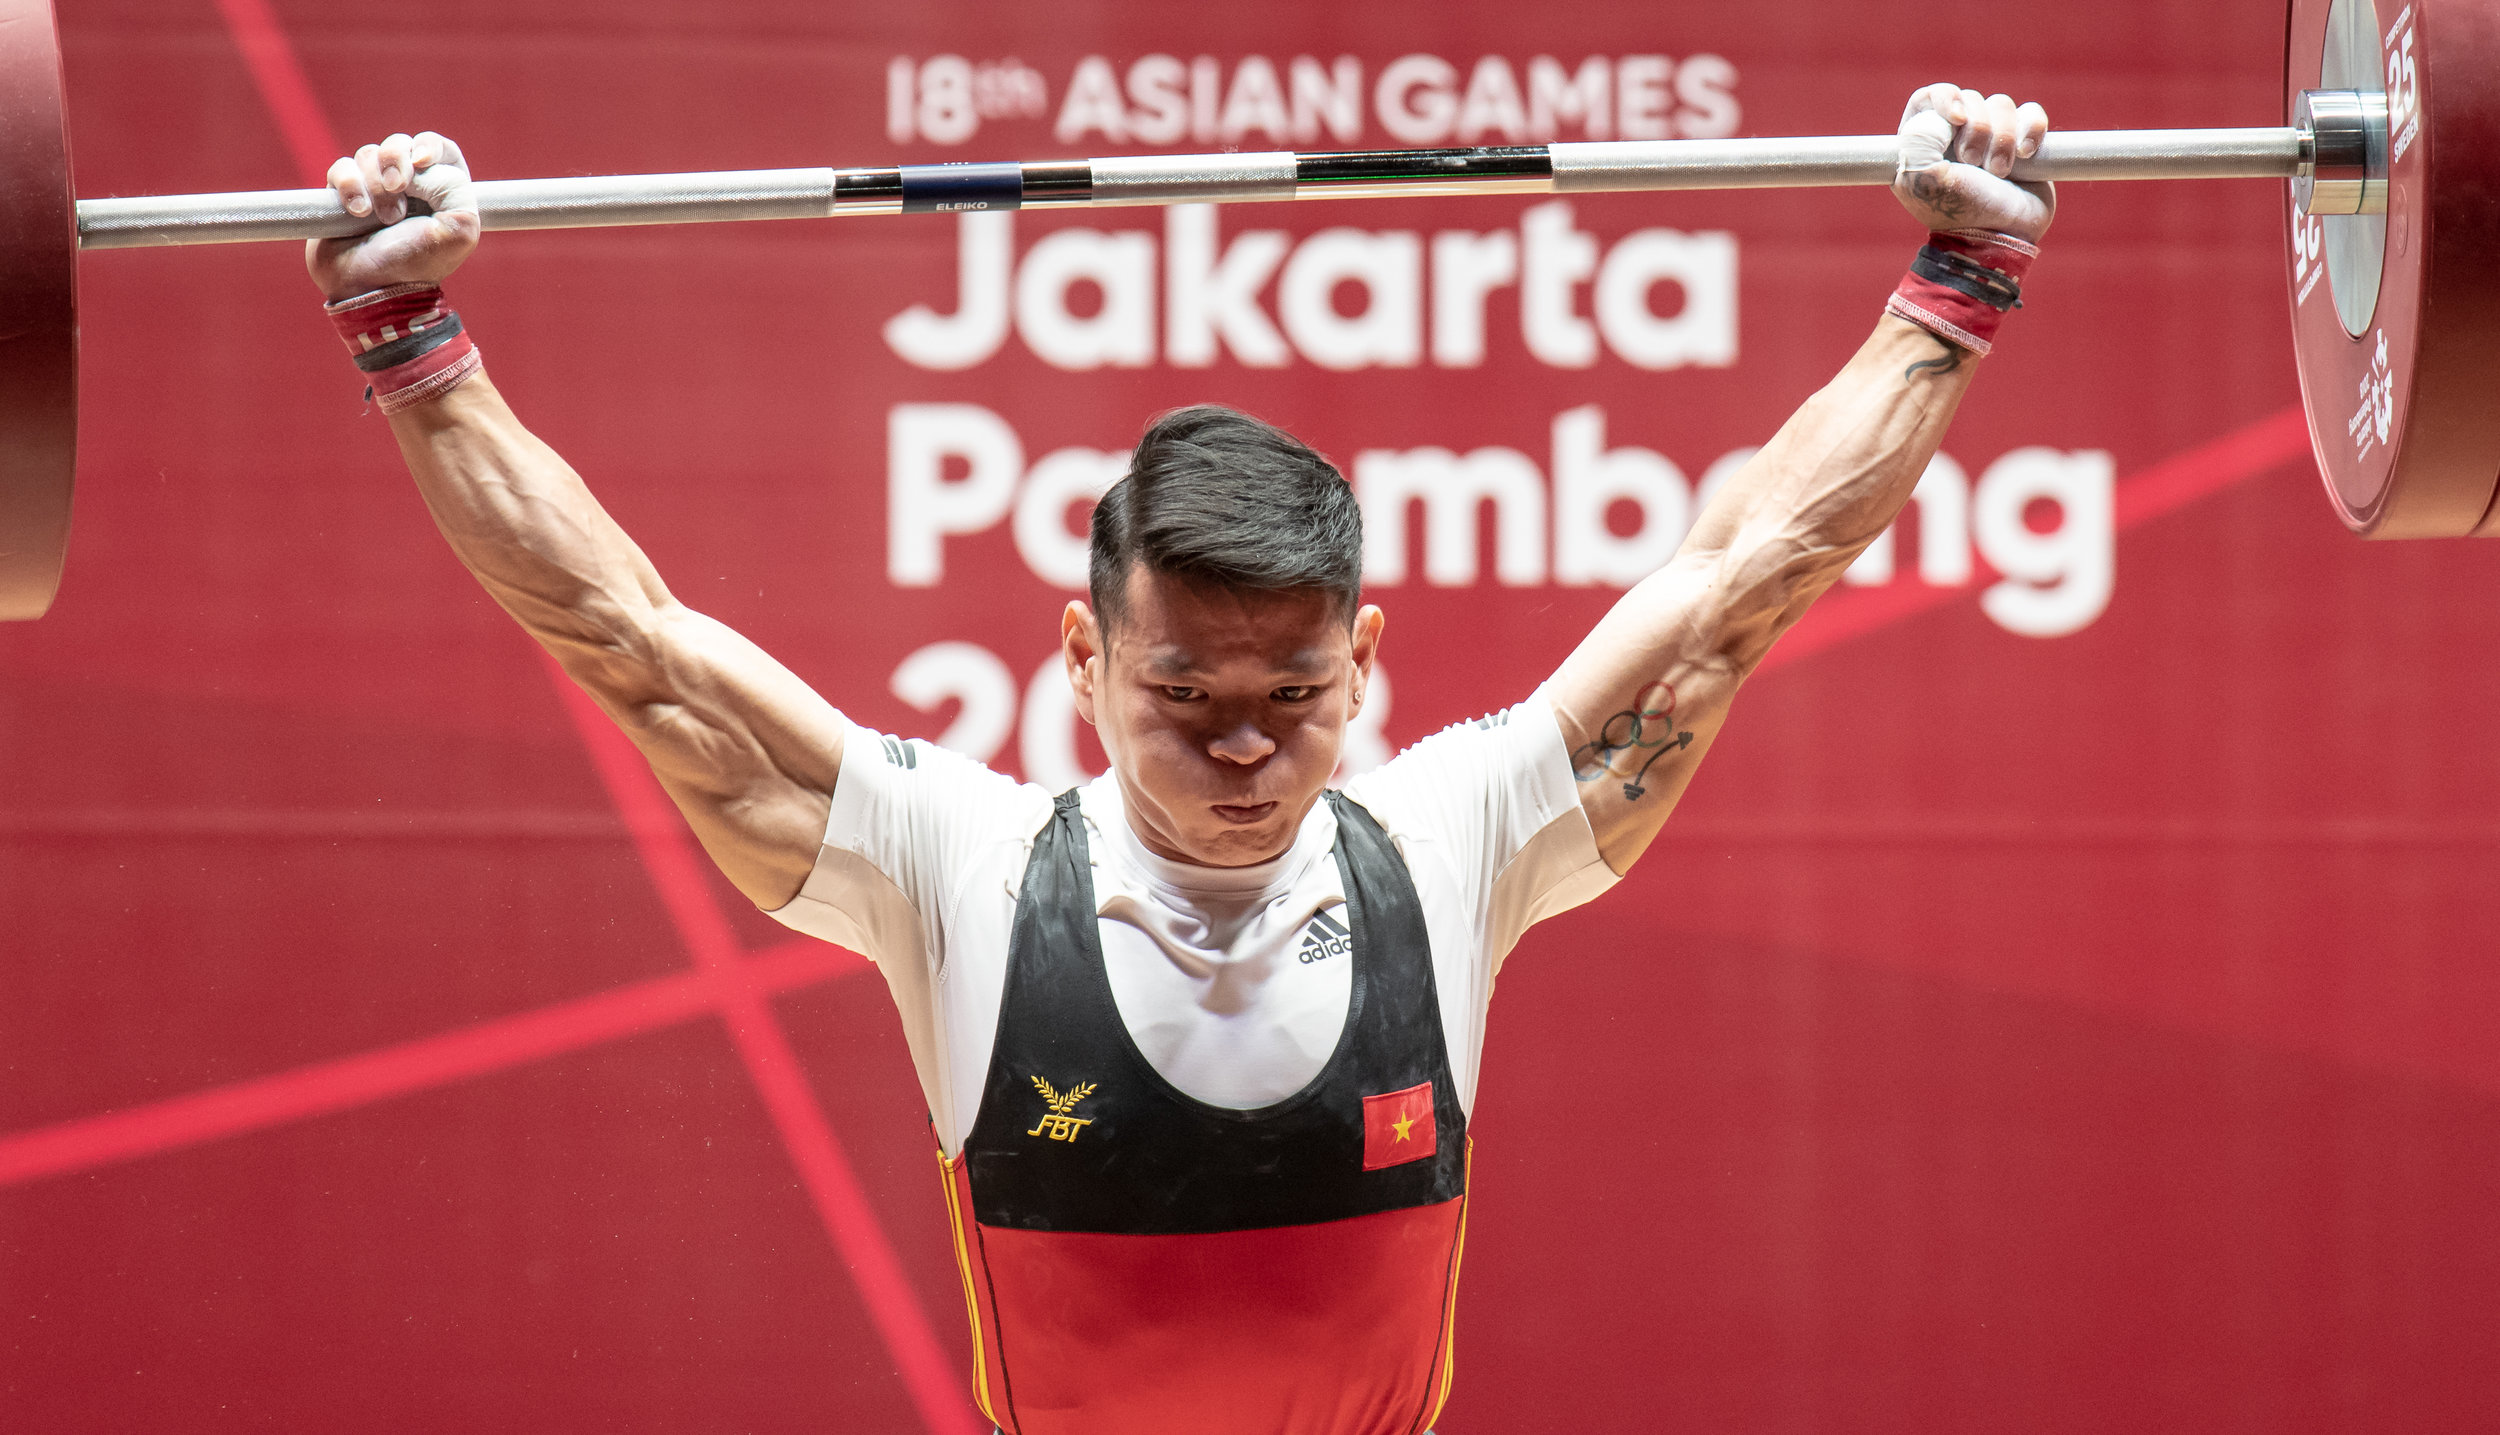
{"points": [[1216, 496]]}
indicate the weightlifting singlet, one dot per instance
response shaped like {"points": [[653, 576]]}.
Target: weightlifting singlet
{"points": [[1139, 1262]]}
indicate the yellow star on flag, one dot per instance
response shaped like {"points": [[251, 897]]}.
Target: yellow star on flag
{"points": [[1401, 1126]]}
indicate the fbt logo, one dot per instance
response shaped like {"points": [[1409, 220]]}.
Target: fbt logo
{"points": [[1159, 99]]}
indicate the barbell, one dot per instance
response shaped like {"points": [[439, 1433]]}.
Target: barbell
{"points": [[2391, 149]]}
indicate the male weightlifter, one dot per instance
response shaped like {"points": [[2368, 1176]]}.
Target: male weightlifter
{"points": [[1199, 1038]]}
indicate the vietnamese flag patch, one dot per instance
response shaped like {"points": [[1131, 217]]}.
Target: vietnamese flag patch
{"points": [[1397, 1127]]}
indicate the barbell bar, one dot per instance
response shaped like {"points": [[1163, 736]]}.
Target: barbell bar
{"points": [[2390, 149], [2281, 153]]}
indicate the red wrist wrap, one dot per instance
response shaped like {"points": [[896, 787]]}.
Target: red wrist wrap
{"points": [[409, 346], [1952, 311]]}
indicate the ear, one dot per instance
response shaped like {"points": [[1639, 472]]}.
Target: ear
{"points": [[1081, 650], [1368, 623]]}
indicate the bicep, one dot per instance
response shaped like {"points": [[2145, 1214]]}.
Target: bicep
{"points": [[1492, 807], [1640, 701], [1643, 698], [748, 751]]}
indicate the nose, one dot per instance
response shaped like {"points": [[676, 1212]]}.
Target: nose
{"points": [[1243, 745]]}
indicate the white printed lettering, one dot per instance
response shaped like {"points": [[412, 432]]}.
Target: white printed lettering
{"points": [[1707, 86], [1589, 479], [1092, 105], [946, 110], [1492, 104], [1559, 259], [957, 469], [1465, 269], [1332, 98], [984, 252], [1205, 78], [964, 673], [1389, 330], [1641, 97], [1702, 331], [2056, 582], [1256, 103], [1452, 489], [1059, 482], [1207, 297], [1418, 99], [901, 95], [1157, 85], [1122, 266], [922, 505], [1581, 98]]}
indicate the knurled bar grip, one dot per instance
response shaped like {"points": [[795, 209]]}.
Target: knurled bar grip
{"points": [[2282, 153]]}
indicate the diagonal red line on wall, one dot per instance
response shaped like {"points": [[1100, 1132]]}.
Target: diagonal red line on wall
{"points": [[832, 1185], [280, 78], [404, 1068], [2242, 454], [841, 1201], [739, 989], [503, 1043], [2181, 479], [2216, 464]]}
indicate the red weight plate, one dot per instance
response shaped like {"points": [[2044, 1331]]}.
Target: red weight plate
{"points": [[38, 312], [2403, 415]]}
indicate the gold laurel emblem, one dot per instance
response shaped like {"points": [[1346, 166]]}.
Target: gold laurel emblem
{"points": [[1059, 1125]]}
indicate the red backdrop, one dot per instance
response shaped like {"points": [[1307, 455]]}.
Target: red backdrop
{"points": [[2063, 1003]]}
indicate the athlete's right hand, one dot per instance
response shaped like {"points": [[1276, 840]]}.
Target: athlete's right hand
{"points": [[379, 180]]}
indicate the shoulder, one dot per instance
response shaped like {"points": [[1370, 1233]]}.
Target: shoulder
{"points": [[910, 793], [1514, 755]]}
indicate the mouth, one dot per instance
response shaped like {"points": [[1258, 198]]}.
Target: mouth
{"points": [[1244, 816]]}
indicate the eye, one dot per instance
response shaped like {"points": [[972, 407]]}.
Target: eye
{"points": [[1180, 695], [1302, 694]]}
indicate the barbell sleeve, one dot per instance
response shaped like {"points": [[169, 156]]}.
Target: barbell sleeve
{"points": [[143, 221], [503, 204], [2278, 153]]}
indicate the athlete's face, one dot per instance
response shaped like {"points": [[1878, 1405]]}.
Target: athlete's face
{"points": [[1222, 712]]}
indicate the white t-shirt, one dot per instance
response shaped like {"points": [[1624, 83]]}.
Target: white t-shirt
{"points": [[1233, 981]]}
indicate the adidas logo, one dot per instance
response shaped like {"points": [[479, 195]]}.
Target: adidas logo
{"points": [[1325, 937]]}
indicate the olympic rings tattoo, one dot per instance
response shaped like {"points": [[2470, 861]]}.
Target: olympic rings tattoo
{"points": [[1647, 726]]}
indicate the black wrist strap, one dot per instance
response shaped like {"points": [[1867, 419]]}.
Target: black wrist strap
{"points": [[1967, 276], [410, 346]]}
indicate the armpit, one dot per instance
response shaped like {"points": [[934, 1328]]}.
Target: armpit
{"points": [[1554, 871]]}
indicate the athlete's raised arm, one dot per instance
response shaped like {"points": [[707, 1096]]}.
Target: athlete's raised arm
{"points": [[1643, 696], [748, 751]]}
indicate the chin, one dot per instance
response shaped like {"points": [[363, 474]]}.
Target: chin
{"points": [[1230, 846]]}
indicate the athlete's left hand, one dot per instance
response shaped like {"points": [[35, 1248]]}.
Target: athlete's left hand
{"points": [[1957, 147]]}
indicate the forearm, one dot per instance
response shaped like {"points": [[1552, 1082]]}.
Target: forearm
{"points": [[749, 752], [525, 524], [1785, 527], [1643, 697]]}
